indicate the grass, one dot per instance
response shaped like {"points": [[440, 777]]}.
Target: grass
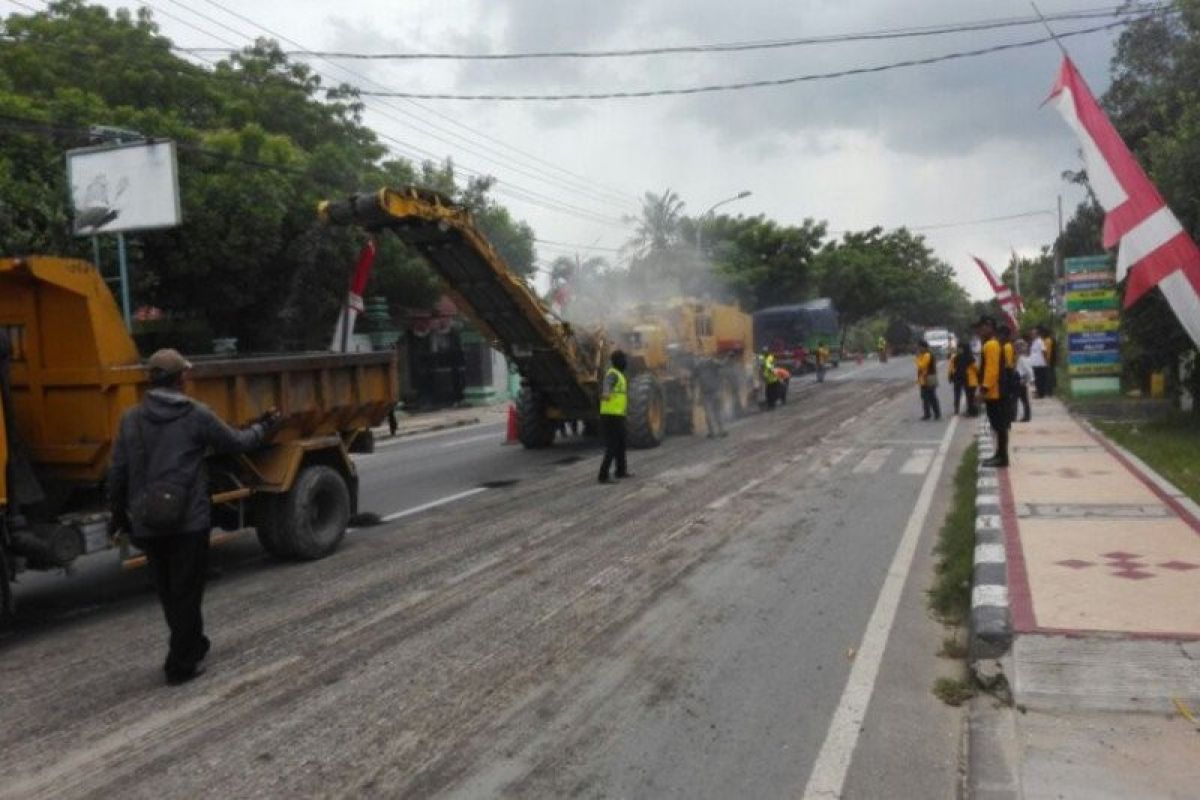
{"points": [[953, 691], [1170, 445], [950, 595]]}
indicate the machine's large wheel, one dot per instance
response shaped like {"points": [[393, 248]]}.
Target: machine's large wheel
{"points": [[647, 414], [534, 428], [313, 516]]}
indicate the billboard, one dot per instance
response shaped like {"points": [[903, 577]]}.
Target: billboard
{"points": [[126, 187]]}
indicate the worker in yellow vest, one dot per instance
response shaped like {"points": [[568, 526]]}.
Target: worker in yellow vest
{"points": [[770, 378], [614, 405], [999, 408], [822, 360]]}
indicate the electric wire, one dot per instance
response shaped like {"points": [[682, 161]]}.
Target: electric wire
{"points": [[508, 189], [758, 84], [737, 47], [572, 182]]}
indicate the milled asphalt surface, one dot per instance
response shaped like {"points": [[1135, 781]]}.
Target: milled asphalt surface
{"points": [[684, 634]]}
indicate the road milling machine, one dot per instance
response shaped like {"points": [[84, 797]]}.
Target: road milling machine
{"points": [[561, 366]]}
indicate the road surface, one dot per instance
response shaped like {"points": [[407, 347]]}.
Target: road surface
{"points": [[714, 627]]}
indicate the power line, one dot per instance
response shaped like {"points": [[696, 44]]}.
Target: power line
{"points": [[513, 191], [574, 182], [959, 224], [570, 246], [734, 47], [729, 87]]}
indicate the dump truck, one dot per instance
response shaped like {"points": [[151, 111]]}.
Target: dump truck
{"points": [[561, 366], [69, 370]]}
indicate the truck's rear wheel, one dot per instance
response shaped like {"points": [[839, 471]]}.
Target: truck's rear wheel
{"points": [[267, 515], [534, 428], [647, 416], [7, 604], [313, 516]]}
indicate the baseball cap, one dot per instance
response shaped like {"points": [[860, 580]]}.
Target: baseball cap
{"points": [[167, 362], [986, 320]]}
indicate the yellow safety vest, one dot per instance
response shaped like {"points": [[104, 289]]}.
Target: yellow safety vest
{"points": [[618, 399], [769, 369]]}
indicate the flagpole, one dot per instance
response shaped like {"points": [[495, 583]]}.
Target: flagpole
{"points": [[1049, 30]]}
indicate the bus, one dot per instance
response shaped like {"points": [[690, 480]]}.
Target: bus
{"points": [[793, 332]]}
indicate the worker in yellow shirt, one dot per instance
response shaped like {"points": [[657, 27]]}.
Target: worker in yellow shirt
{"points": [[927, 382], [1010, 381], [963, 376], [999, 409], [1048, 345]]}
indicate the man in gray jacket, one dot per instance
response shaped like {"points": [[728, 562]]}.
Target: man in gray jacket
{"points": [[161, 447]]}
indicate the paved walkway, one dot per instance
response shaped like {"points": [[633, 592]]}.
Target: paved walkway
{"points": [[1102, 562], [1093, 544]]}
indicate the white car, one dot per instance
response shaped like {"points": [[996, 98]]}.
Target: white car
{"points": [[940, 341]]}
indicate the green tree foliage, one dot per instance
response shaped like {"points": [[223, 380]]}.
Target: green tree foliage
{"points": [[871, 271], [762, 262], [261, 140]]}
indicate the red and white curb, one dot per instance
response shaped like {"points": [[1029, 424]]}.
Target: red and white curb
{"points": [[991, 619]]}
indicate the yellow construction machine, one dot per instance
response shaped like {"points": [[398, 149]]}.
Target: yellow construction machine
{"points": [[561, 367]]}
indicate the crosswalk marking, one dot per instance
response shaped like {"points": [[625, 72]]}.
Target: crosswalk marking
{"points": [[872, 461], [918, 463]]}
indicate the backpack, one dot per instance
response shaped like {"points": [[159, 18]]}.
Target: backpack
{"points": [[162, 505]]}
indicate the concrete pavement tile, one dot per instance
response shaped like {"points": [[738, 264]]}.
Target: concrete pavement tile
{"points": [[1080, 477], [1107, 755], [1121, 575]]}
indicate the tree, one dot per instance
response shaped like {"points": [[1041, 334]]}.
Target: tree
{"points": [[762, 262], [261, 140]]}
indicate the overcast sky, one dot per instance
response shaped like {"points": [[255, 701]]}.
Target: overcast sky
{"points": [[930, 145]]}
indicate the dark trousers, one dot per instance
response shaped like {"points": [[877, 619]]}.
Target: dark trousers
{"points": [[999, 414], [773, 393], [1023, 399], [1041, 381], [612, 428], [929, 402], [972, 403], [959, 390], [179, 565], [712, 413]]}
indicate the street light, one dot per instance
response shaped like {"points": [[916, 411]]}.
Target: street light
{"points": [[700, 223]]}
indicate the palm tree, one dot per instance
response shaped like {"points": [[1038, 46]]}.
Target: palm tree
{"points": [[658, 225]]}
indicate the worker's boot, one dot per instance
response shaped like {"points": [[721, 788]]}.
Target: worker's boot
{"points": [[1000, 458]]}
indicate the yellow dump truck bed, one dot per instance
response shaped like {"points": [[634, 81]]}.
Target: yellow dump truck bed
{"points": [[75, 370]]}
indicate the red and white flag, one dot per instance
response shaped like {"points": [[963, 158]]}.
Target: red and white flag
{"points": [[1010, 303], [1154, 250], [354, 300]]}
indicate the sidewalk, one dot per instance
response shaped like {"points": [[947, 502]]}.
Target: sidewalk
{"points": [[1087, 601], [412, 424]]}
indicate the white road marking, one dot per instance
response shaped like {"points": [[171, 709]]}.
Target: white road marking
{"points": [[918, 462], [490, 437], [829, 771], [396, 441], [835, 457], [408, 512], [872, 461], [989, 554]]}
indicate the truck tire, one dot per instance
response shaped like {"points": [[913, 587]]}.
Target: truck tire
{"points": [[7, 604], [313, 516], [534, 428], [268, 524], [647, 415]]}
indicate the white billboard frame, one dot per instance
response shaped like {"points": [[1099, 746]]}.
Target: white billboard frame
{"points": [[126, 187]]}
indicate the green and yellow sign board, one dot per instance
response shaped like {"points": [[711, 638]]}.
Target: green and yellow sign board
{"points": [[1093, 325]]}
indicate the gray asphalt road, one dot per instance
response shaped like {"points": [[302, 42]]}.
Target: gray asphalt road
{"points": [[688, 633]]}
